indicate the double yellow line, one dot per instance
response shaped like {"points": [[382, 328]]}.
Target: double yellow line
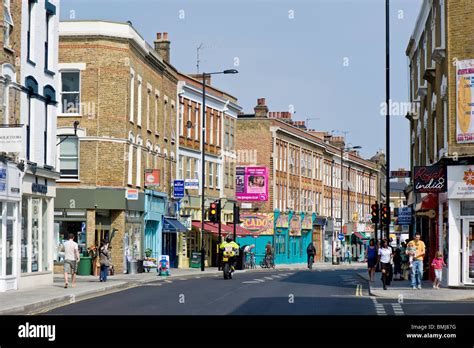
{"points": [[359, 290]]}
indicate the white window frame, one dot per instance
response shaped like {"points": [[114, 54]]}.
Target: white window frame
{"points": [[181, 119], [139, 100], [62, 111], [196, 168], [157, 104], [211, 175], [31, 29], [196, 122], [148, 96], [131, 139], [132, 95], [211, 127], [217, 182], [190, 110], [188, 168], [218, 129], [138, 179], [181, 167], [8, 23]]}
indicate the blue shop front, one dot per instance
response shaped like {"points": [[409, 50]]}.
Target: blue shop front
{"points": [[293, 234], [155, 208]]}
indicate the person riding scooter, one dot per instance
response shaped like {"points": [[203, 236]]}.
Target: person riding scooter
{"points": [[230, 250]]}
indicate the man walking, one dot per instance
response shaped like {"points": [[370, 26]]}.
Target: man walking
{"points": [[71, 259], [417, 266]]}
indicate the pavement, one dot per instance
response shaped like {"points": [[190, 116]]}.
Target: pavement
{"points": [[37, 300], [402, 290]]}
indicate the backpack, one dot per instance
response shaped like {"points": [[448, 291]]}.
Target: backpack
{"points": [[311, 249]]}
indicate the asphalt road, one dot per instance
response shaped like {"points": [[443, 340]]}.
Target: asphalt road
{"points": [[274, 292]]}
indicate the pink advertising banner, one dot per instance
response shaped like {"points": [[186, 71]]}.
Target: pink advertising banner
{"points": [[251, 183]]}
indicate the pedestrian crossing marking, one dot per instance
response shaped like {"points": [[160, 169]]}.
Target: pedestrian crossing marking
{"points": [[260, 280], [250, 282], [397, 309], [269, 278]]}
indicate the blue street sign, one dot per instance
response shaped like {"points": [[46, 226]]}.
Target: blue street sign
{"points": [[178, 188], [404, 216], [340, 236]]}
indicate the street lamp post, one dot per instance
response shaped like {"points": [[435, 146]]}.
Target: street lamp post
{"points": [[203, 158]]}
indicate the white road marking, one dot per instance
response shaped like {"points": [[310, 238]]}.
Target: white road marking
{"points": [[397, 309], [260, 280], [250, 282], [379, 308], [269, 278], [168, 281]]}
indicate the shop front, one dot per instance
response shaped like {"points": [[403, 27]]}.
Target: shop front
{"points": [[36, 236], [461, 226], [155, 208], [94, 214], [171, 230], [261, 227], [319, 238], [292, 237], [10, 227]]}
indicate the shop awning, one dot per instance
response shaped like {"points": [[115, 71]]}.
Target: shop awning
{"points": [[428, 202], [360, 235], [210, 227], [171, 225]]}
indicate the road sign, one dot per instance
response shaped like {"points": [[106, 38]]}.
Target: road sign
{"points": [[340, 236], [191, 184], [178, 188]]}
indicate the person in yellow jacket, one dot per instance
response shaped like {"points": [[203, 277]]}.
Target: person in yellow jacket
{"points": [[230, 249]]}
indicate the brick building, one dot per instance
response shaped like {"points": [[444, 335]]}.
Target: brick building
{"points": [[124, 94], [441, 58], [221, 114], [303, 191], [28, 85]]}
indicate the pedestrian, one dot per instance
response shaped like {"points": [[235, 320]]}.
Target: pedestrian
{"points": [[371, 259], [104, 260], [438, 264], [397, 263], [311, 251], [417, 249], [385, 259], [71, 260]]}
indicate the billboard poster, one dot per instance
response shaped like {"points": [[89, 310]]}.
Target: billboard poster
{"points": [[178, 188], [307, 223], [251, 183], [258, 223], [461, 182], [295, 226], [464, 101], [282, 221], [12, 140], [430, 179]]}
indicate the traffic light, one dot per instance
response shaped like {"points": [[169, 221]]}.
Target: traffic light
{"points": [[375, 213], [386, 214], [215, 212]]}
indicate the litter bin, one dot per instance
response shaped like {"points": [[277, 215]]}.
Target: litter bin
{"points": [[132, 267], [140, 268], [196, 260], [85, 266]]}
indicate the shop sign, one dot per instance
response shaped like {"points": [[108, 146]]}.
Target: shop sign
{"points": [[131, 194], [178, 188], [429, 179], [39, 188], [9, 182], [152, 177], [251, 183], [464, 101], [404, 216], [295, 226], [282, 221], [307, 223], [258, 223], [191, 184], [461, 182], [11, 139]]}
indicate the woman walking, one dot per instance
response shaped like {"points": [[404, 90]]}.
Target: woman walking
{"points": [[104, 260], [371, 259], [385, 259]]}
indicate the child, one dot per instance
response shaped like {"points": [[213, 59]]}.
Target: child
{"points": [[438, 264], [411, 251]]}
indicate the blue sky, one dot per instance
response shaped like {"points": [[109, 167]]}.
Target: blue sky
{"points": [[326, 58]]}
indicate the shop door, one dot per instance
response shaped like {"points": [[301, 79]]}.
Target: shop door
{"points": [[169, 248], [467, 257]]}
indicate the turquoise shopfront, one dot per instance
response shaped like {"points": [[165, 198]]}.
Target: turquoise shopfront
{"points": [[155, 205], [293, 233]]}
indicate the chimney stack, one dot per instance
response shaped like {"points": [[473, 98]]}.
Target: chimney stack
{"points": [[162, 46], [261, 110]]}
